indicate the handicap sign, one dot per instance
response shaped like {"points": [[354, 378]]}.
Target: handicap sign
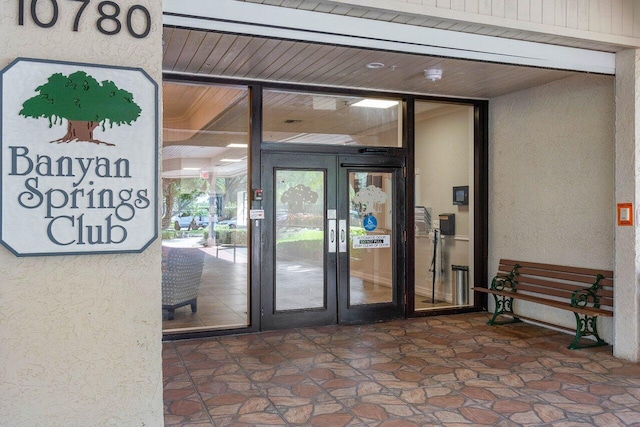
{"points": [[370, 223]]}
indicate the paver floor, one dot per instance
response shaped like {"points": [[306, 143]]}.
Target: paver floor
{"points": [[435, 371]]}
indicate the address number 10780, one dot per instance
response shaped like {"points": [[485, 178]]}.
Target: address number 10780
{"points": [[110, 21]]}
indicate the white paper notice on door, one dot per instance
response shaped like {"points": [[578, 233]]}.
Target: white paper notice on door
{"points": [[372, 241]]}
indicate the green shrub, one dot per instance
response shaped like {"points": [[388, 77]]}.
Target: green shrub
{"points": [[168, 234], [226, 235], [303, 244], [301, 249]]}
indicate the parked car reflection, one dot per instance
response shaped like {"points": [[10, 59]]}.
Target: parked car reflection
{"points": [[190, 221], [232, 223]]}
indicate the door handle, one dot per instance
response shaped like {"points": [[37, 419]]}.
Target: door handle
{"points": [[342, 244], [332, 236]]}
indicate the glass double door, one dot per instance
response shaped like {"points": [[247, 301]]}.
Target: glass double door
{"points": [[333, 240]]}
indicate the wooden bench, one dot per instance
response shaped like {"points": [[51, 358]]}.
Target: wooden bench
{"points": [[588, 293]]}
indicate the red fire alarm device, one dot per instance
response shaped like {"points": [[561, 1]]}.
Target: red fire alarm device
{"points": [[625, 214]]}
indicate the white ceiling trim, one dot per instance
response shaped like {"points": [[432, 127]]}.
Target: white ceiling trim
{"points": [[296, 24]]}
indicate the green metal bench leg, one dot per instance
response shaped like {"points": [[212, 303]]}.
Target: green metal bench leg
{"points": [[586, 326], [504, 305]]}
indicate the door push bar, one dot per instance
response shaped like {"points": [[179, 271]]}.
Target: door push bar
{"points": [[342, 244], [332, 236]]}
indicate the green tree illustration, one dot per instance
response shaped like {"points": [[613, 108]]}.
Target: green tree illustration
{"points": [[84, 102]]}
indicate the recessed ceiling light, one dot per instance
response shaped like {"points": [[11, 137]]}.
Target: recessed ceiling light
{"points": [[375, 103], [231, 160], [235, 145], [374, 65]]}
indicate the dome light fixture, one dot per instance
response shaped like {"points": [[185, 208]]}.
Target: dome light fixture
{"points": [[374, 65], [433, 74]]}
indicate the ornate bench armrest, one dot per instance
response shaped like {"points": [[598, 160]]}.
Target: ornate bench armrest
{"points": [[499, 283], [584, 296]]}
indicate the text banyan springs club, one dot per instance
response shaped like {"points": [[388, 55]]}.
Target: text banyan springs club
{"points": [[88, 192]]}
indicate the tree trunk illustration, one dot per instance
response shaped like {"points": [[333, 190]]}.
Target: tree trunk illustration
{"points": [[78, 130]]}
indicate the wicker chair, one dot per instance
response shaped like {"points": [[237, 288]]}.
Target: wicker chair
{"points": [[181, 273]]}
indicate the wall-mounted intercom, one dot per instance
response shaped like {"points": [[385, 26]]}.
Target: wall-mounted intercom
{"points": [[461, 195], [447, 224]]}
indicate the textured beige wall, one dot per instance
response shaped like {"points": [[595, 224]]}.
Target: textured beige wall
{"points": [[627, 239], [551, 179], [80, 335]]}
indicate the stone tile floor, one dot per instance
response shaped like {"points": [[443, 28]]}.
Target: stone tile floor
{"points": [[435, 371]]}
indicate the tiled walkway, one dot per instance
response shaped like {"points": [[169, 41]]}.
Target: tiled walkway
{"points": [[442, 371]]}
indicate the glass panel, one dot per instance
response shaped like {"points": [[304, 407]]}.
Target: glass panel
{"points": [[204, 220], [299, 270], [308, 118], [371, 236], [444, 205]]}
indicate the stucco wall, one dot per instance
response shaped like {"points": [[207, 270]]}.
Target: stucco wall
{"points": [[551, 179], [80, 336], [627, 239]]}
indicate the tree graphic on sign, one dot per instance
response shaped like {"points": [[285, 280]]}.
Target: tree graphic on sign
{"points": [[369, 198], [84, 102], [298, 196]]}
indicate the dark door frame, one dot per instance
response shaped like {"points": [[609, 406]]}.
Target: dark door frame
{"points": [[337, 276], [481, 183], [370, 313]]}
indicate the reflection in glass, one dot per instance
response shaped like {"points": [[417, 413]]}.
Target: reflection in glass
{"points": [[311, 118], [371, 237], [443, 232], [299, 270], [205, 207]]}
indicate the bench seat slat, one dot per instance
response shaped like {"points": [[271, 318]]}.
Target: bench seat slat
{"points": [[606, 293], [605, 301], [552, 303], [575, 278], [608, 274], [560, 293], [545, 283], [604, 283], [571, 278]]}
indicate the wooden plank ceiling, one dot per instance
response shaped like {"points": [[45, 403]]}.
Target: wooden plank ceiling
{"points": [[246, 57]]}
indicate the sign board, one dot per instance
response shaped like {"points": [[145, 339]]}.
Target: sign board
{"points": [[370, 223], [78, 159], [256, 214], [372, 241], [625, 214]]}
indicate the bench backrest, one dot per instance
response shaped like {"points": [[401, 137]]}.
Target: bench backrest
{"points": [[558, 281]]}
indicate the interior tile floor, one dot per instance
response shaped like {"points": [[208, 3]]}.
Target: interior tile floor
{"points": [[222, 296], [434, 371]]}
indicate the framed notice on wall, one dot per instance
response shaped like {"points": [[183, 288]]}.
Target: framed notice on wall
{"points": [[625, 214], [79, 165]]}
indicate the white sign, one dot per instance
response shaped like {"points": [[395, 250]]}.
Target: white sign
{"points": [[79, 146], [256, 214], [372, 241]]}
